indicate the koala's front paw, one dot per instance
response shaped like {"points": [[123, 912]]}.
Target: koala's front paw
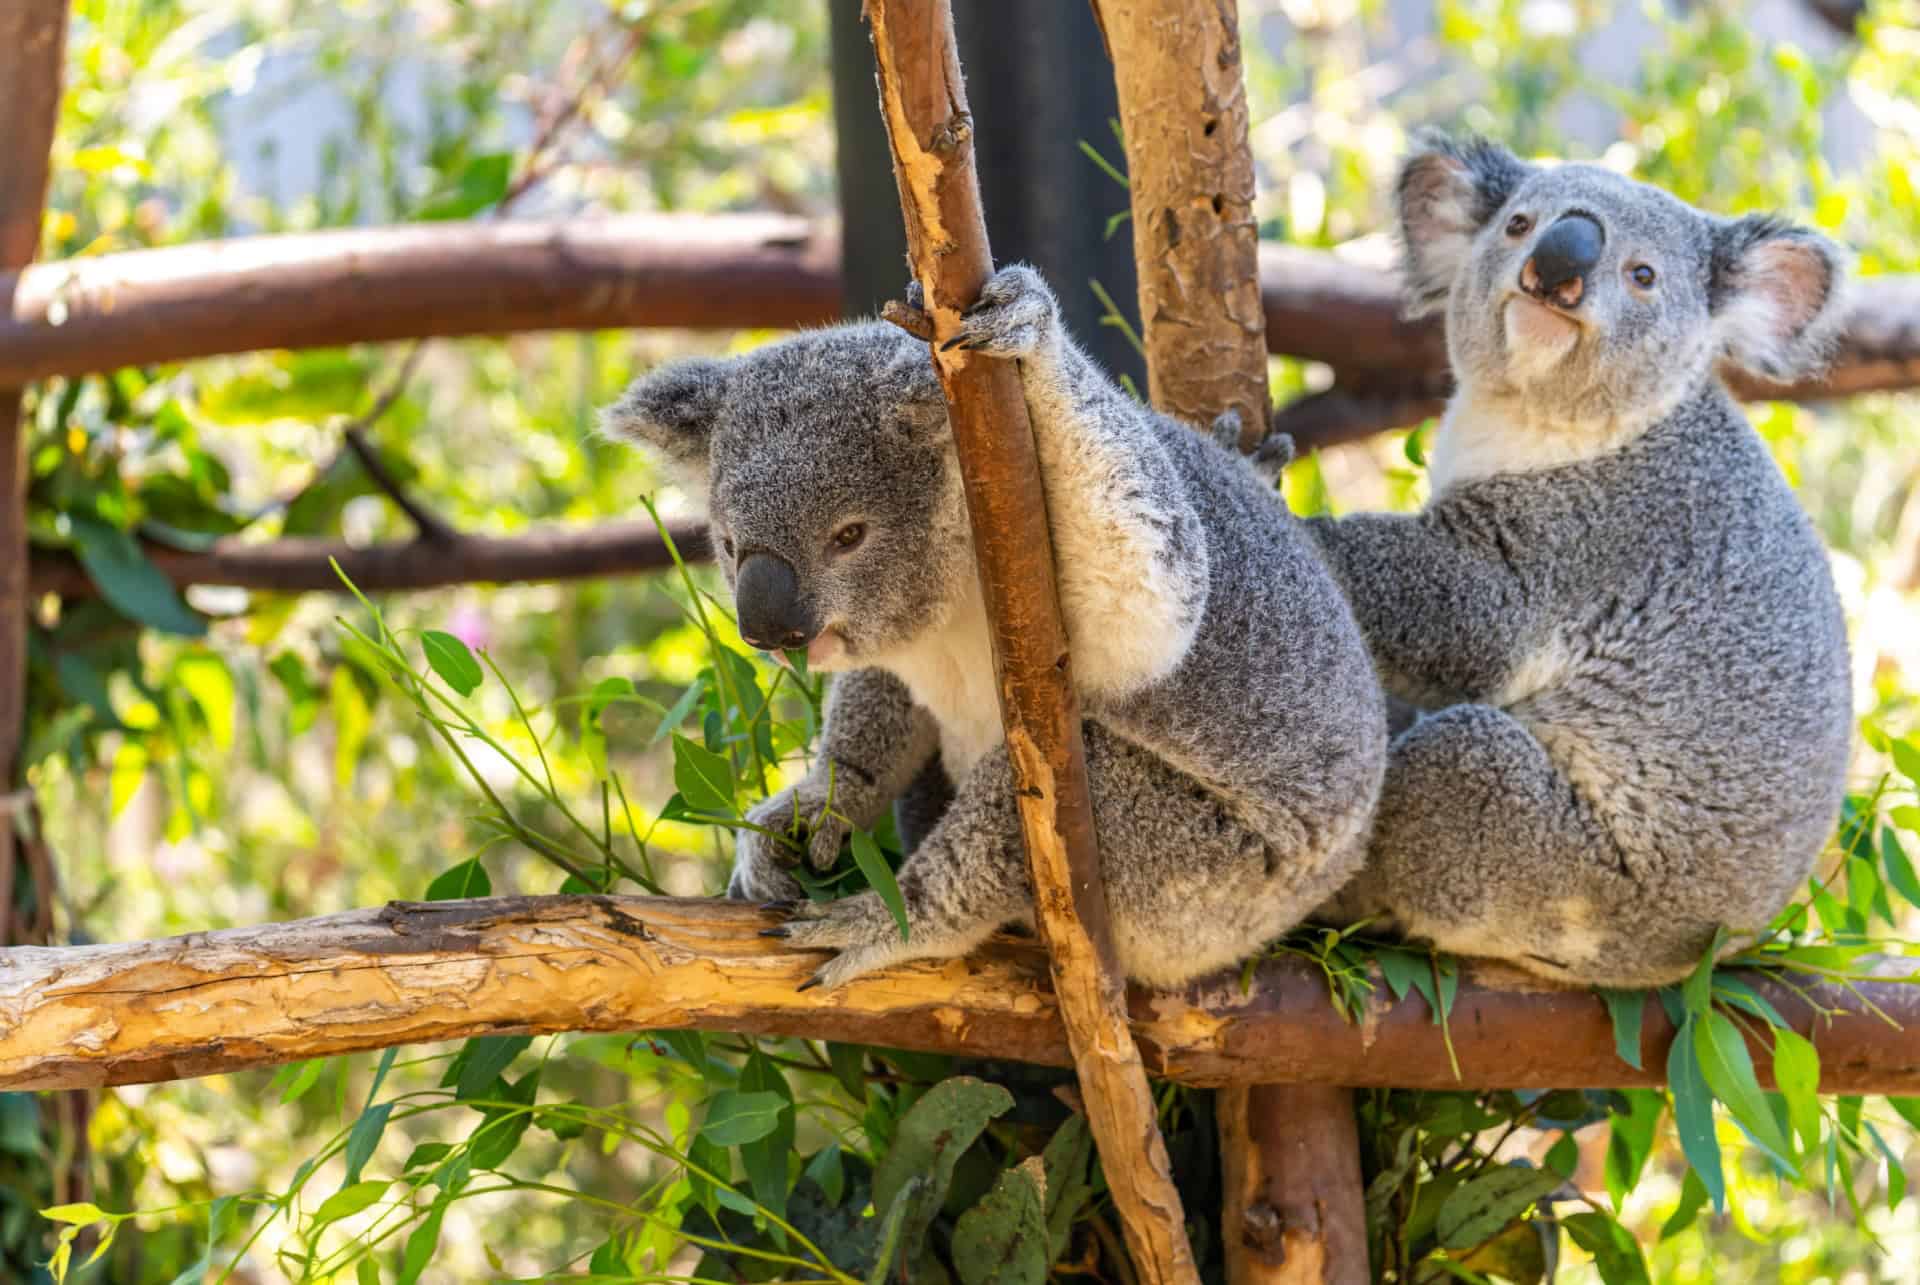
{"points": [[810, 819], [756, 878], [1013, 316], [860, 928]]}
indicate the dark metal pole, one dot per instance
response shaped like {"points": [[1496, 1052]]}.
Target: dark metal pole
{"points": [[1040, 84]]}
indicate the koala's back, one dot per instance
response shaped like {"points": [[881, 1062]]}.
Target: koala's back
{"points": [[1686, 664], [1315, 716]]}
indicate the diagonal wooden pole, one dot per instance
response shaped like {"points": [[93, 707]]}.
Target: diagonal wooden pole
{"points": [[924, 104], [1294, 1212]]}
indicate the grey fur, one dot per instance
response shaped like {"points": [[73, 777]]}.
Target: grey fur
{"points": [[1621, 627], [1235, 732]]}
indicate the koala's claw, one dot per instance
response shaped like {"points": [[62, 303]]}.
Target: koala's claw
{"points": [[860, 928], [1012, 317]]}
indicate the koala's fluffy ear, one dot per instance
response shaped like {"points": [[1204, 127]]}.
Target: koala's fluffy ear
{"points": [[1775, 291], [671, 409], [1447, 191]]}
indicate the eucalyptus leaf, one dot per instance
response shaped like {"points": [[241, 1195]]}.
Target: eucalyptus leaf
{"points": [[1693, 1114], [453, 661], [735, 1117], [128, 580], [1615, 1254], [866, 855]]}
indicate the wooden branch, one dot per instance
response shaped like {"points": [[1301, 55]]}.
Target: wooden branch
{"points": [[715, 271], [1183, 114], [1294, 1211], [924, 103], [298, 564], [33, 36], [410, 973], [1294, 1208]]}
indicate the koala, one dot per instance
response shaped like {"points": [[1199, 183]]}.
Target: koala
{"points": [[1619, 628], [1234, 730]]}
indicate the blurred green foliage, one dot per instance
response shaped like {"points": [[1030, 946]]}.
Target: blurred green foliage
{"points": [[221, 759]]}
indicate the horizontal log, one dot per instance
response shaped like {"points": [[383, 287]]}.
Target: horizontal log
{"points": [[407, 973], [298, 564], [718, 271], [416, 281]]}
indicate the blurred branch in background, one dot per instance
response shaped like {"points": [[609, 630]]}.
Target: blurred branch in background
{"points": [[718, 272]]}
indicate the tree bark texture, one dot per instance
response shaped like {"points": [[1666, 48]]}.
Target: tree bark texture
{"points": [[1294, 1212], [924, 103], [1183, 112], [409, 973]]}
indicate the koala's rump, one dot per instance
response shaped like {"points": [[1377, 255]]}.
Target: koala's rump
{"points": [[1693, 685]]}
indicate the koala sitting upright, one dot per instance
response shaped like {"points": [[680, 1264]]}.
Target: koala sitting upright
{"points": [[1619, 624], [1235, 732]]}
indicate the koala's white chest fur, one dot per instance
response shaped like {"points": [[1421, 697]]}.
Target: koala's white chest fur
{"points": [[1480, 438], [949, 670]]}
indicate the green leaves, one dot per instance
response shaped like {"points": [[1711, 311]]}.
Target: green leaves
{"points": [[704, 779], [1615, 1255], [1477, 1209], [1796, 1073], [452, 660], [734, 1117], [1728, 1070], [350, 1200], [1693, 1113], [927, 1145], [1626, 1008], [866, 855], [127, 578], [480, 185], [468, 879], [1003, 1239]]}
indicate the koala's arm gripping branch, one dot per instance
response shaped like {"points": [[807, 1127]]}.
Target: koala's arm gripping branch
{"points": [[924, 105]]}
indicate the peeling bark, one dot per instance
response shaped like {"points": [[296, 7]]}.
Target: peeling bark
{"points": [[411, 972], [924, 102]]}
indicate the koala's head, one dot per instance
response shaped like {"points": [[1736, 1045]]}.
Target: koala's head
{"points": [[1586, 297], [831, 486]]}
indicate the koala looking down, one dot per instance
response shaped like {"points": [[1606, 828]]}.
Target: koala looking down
{"points": [[1621, 628], [1235, 732]]}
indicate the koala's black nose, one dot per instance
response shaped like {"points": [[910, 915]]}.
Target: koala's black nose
{"points": [[1562, 258], [773, 614]]}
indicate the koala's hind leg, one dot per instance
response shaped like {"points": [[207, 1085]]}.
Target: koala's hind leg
{"points": [[1482, 847], [1190, 887]]}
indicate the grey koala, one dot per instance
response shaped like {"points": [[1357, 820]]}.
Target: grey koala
{"points": [[1619, 625], [1235, 731]]}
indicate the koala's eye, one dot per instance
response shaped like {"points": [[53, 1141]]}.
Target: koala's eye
{"points": [[849, 536], [1519, 225], [726, 546], [1643, 276]]}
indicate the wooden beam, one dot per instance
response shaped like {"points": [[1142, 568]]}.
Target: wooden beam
{"points": [[33, 37], [716, 271], [298, 564], [320, 289], [924, 102], [408, 973]]}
